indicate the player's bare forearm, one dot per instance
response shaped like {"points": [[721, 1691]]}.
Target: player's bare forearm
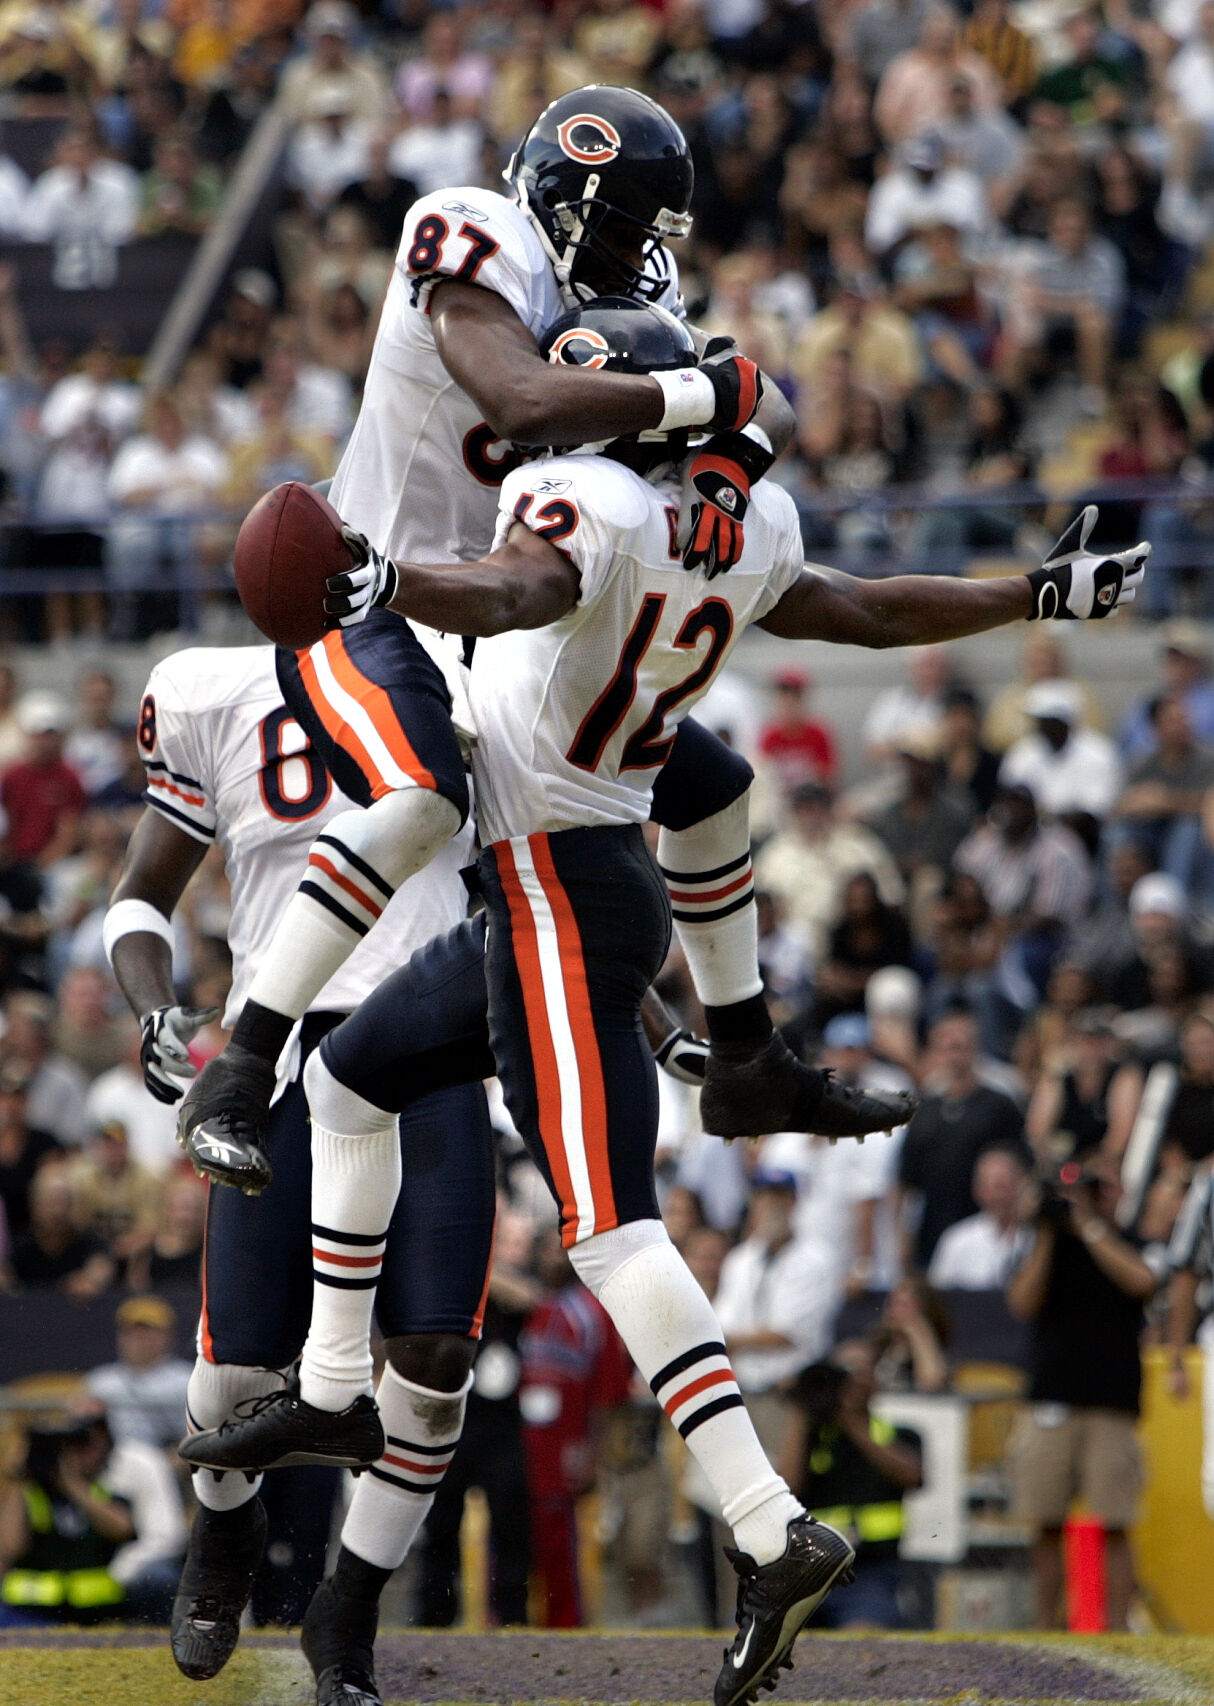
{"points": [[525, 583], [160, 860], [906, 610], [775, 415], [492, 356]]}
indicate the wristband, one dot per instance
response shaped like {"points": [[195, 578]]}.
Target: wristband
{"points": [[689, 397], [131, 917]]}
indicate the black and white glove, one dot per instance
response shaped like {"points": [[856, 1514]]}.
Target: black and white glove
{"points": [[368, 586], [718, 484], [164, 1053], [737, 382], [684, 1057], [1073, 584]]}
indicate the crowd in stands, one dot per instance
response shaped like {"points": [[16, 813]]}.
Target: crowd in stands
{"points": [[972, 246]]}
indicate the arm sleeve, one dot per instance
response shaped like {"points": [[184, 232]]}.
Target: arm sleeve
{"points": [[462, 234], [175, 757]]}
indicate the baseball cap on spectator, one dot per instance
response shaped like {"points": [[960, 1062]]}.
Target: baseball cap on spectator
{"points": [[893, 993], [255, 286], [1187, 639], [42, 713], [773, 1179], [145, 1312], [331, 18], [1054, 701], [846, 1030], [1158, 893]]}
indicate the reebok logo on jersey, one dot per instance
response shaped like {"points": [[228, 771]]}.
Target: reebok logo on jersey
{"points": [[462, 207], [544, 486], [569, 350], [589, 139]]}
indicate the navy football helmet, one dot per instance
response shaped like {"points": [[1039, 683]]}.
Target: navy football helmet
{"points": [[605, 176], [622, 335]]}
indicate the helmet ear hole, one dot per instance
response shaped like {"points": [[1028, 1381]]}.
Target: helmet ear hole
{"points": [[551, 197]]}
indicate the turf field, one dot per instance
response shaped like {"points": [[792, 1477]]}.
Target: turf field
{"points": [[120, 1669]]}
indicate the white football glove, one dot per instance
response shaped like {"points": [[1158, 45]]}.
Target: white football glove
{"points": [[164, 1052], [1073, 584], [368, 586], [684, 1057]]}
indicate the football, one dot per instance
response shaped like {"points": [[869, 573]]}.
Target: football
{"points": [[288, 546]]}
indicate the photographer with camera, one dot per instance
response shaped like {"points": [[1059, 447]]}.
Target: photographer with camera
{"points": [[89, 1529], [851, 1469], [1082, 1285]]}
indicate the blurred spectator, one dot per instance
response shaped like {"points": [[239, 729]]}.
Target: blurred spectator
{"points": [[870, 934], [776, 1302], [910, 1338], [808, 865], [917, 703], [1012, 55], [179, 194], [96, 393], [119, 1097], [52, 1250], [987, 143], [277, 451], [331, 67], [238, 337], [970, 767], [1068, 769], [938, 287], [922, 191], [174, 1256], [23, 1147], [929, 819], [96, 745], [116, 1198], [438, 151], [783, 961], [444, 65], [913, 94], [1042, 658], [86, 1030], [800, 747], [1086, 68], [316, 399], [1072, 1098], [144, 1391], [978, 1254], [535, 70], [14, 188], [56, 1087], [878, 340], [41, 794], [1161, 804], [330, 149], [90, 1529], [958, 1118], [852, 1469], [1185, 667], [234, 105], [881, 30], [1082, 1286], [574, 1367], [617, 38], [380, 196], [87, 206], [11, 738], [1073, 297]]}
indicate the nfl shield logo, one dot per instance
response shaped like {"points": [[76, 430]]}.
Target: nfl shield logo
{"points": [[727, 499]]}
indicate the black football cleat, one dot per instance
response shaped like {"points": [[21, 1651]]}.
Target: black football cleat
{"points": [[774, 1603], [755, 1094], [338, 1641], [279, 1429], [216, 1581], [224, 1118]]}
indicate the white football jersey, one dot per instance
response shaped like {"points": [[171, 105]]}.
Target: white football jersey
{"points": [[422, 472], [577, 718], [226, 762]]}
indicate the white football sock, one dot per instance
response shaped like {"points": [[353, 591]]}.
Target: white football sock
{"points": [[354, 868], [712, 894], [393, 1499], [214, 1391], [676, 1341], [355, 1181]]}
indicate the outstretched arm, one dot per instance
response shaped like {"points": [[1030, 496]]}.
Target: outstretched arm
{"points": [[906, 610], [525, 583]]}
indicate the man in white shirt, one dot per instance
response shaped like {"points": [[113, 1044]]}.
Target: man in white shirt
{"points": [[144, 1390], [1069, 769], [979, 1253], [920, 191], [86, 205]]}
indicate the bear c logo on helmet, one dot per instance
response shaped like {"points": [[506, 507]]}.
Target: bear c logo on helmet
{"points": [[589, 139], [563, 353]]}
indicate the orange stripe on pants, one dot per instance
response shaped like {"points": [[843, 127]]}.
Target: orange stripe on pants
{"points": [[585, 1042], [338, 730], [378, 706], [525, 947]]}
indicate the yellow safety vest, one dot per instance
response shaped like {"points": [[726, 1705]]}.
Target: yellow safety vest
{"points": [[873, 1523], [82, 1590]]}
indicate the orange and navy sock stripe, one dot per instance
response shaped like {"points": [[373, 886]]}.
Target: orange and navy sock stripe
{"points": [[414, 1468], [696, 1386], [704, 897], [344, 884], [347, 1261]]}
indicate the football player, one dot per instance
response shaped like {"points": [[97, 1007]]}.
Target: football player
{"points": [[227, 764], [596, 637], [456, 379]]}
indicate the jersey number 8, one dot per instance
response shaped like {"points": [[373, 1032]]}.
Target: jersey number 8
{"points": [[290, 808]]}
